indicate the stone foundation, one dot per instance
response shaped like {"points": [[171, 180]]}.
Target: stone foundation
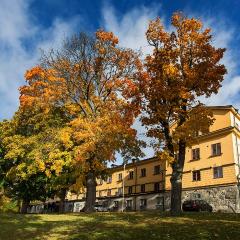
{"points": [[221, 198]]}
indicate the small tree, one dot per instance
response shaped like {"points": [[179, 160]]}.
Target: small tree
{"points": [[35, 160], [184, 65]]}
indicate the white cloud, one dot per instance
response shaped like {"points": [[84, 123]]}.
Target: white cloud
{"points": [[223, 36], [131, 27], [20, 41]]}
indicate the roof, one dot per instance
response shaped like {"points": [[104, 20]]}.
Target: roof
{"points": [[223, 107], [135, 162]]}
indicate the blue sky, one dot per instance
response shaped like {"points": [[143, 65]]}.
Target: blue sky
{"points": [[26, 26]]}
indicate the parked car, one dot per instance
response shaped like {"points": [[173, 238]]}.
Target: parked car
{"points": [[196, 205], [100, 208]]}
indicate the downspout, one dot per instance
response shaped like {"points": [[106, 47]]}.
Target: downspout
{"points": [[238, 162], [135, 194]]}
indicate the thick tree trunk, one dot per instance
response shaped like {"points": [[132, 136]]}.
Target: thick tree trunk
{"points": [[62, 196], [91, 192], [176, 180], [176, 191], [24, 207]]}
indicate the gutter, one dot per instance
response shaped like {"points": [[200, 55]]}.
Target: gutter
{"points": [[238, 160]]}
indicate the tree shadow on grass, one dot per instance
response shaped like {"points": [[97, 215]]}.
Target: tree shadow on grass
{"points": [[17, 226], [119, 226], [152, 226]]}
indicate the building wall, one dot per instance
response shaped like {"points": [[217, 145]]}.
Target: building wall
{"points": [[221, 193], [153, 200], [222, 119], [206, 163], [137, 180], [236, 150]]}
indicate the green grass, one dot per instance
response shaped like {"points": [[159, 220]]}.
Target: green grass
{"points": [[114, 226]]}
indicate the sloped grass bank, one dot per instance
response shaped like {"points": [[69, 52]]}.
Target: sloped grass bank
{"points": [[119, 226]]}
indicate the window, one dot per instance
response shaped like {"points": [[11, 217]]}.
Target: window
{"points": [[157, 169], [143, 172], [77, 207], [143, 188], [196, 154], [100, 193], [160, 200], [109, 192], [120, 177], [217, 172], [109, 179], [216, 149], [105, 204], [196, 175], [130, 190], [116, 204], [120, 191], [143, 202], [130, 175], [129, 204], [156, 187]]}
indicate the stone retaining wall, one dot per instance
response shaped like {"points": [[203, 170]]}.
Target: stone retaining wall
{"points": [[221, 198]]}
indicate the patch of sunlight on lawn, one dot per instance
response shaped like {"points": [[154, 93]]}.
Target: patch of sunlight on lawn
{"points": [[119, 226]]}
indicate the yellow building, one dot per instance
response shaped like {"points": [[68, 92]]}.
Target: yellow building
{"points": [[212, 164], [211, 172], [142, 183]]}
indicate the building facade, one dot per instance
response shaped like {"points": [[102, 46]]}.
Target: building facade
{"points": [[211, 173], [136, 186], [211, 170]]}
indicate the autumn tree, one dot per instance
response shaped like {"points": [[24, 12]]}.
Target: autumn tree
{"points": [[36, 161], [90, 80], [16, 186], [183, 66]]}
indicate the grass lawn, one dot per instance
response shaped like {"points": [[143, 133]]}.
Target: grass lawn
{"points": [[114, 226]]}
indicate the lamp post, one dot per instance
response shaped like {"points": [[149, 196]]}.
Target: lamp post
{"points": [[123, 183]]}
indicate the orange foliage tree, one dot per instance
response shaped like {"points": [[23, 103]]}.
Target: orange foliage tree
{"points": [[90, 80], [183, 66]]}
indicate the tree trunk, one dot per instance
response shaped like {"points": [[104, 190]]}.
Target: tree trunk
{"points": [[25, 205], [62, 196], [91, 192], [176, 180], [176, 190]]}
